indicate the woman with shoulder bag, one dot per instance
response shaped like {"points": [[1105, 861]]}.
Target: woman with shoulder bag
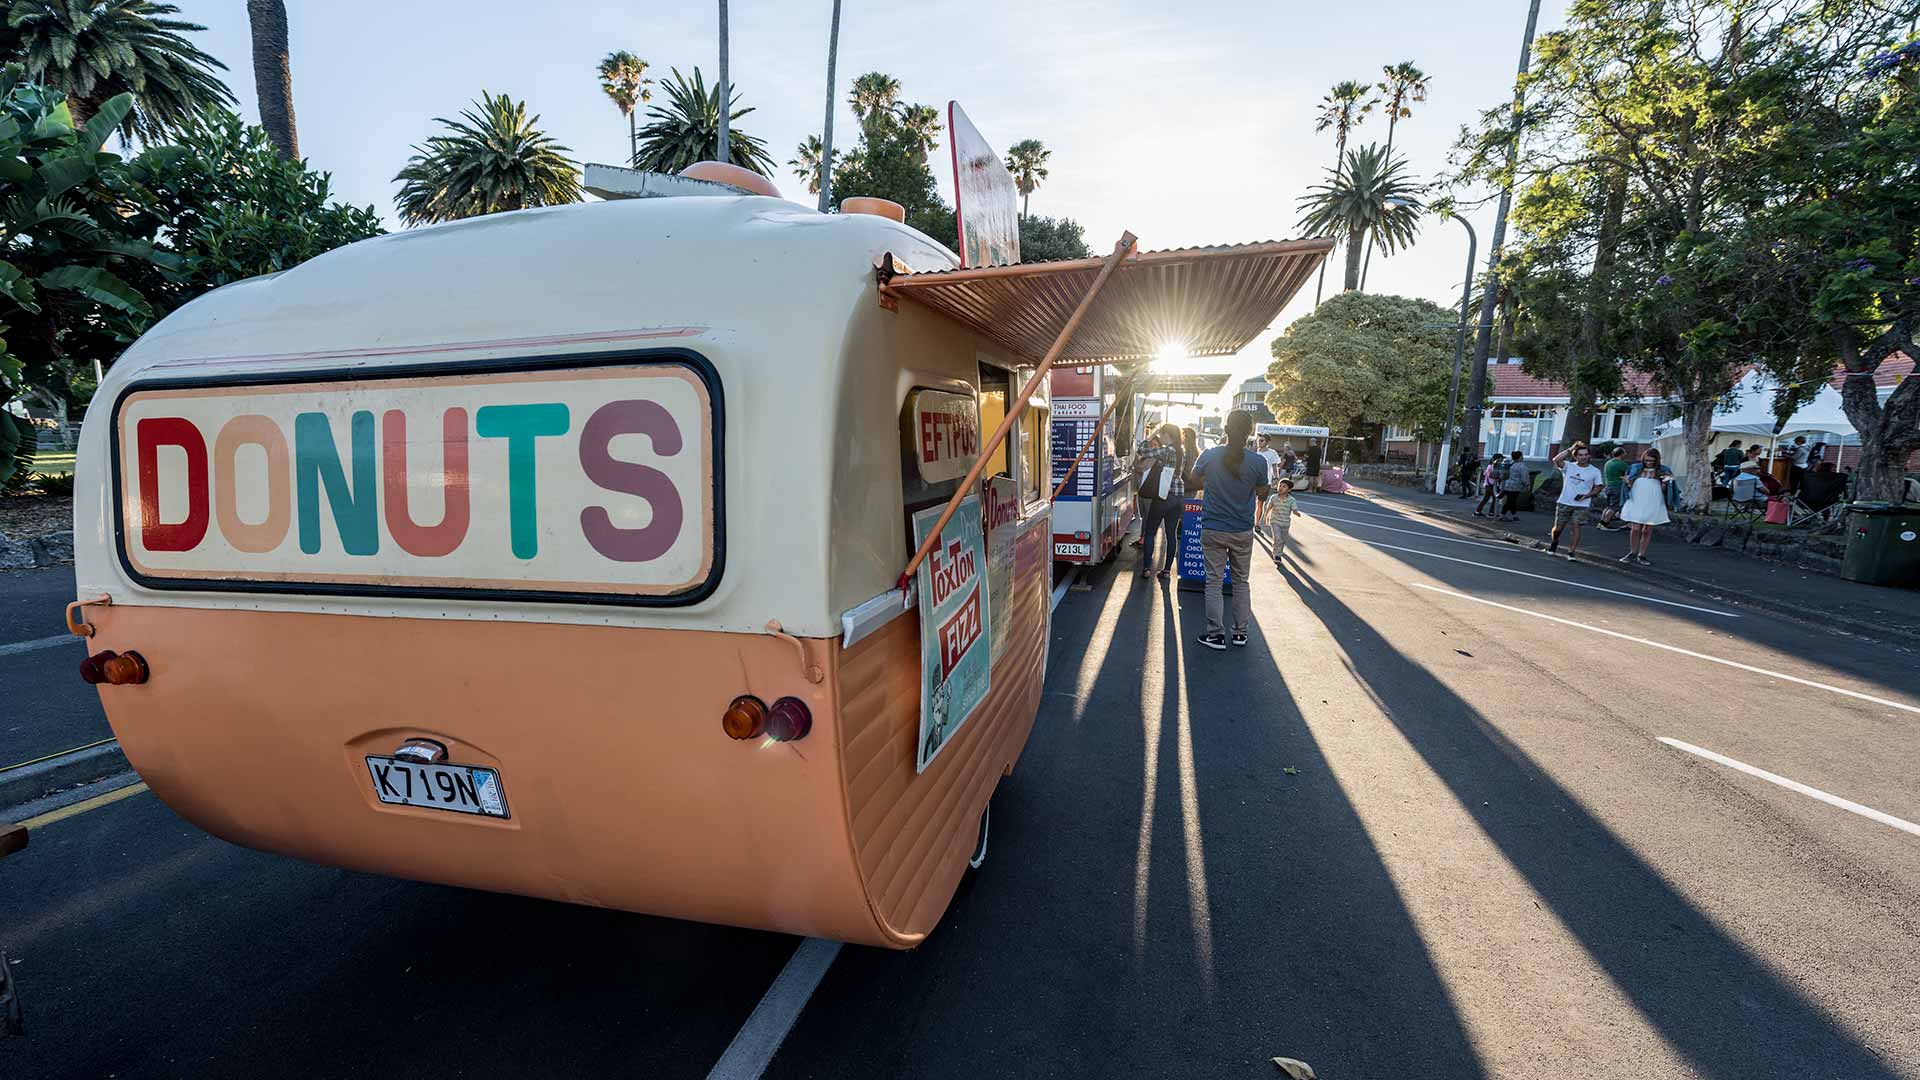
{"points": [[1163, 492]]}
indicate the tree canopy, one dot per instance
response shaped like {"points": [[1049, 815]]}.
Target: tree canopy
{"points": [[1360, 359], [686, 129], [93, 50], [494, 158]]}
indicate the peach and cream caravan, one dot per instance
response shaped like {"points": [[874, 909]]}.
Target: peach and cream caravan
{"points": [[560, 553]]}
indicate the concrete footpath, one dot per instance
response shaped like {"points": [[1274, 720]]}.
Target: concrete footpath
{"points": [[1875, 612]]}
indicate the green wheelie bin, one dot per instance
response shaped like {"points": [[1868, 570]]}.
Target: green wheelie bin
{"points": [[1883, 544]]}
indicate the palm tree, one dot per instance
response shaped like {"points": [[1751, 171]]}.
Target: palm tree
{"points": [[1404, 86], [91, 50], [923, 123], [1344, 107], [688, 129], [1027, 161], [1372, 194], [807, 160], [624, 78], [493, 158], [873, 98], [273, 74]]}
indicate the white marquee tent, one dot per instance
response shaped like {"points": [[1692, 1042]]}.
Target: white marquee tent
{"points": [[1748, 410]]}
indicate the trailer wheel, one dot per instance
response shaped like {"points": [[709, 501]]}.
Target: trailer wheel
{"points": [[979, 856]]}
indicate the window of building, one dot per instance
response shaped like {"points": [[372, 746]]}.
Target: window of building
{"points": [[1398, 433], [1612, 426], [993, 409], [1031, 434]]}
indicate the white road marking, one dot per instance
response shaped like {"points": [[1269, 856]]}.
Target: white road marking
{"points": [[1424, 535], [1794, 785], [1549, 577], [16, 647], [1060, 590], [1782, 676], [754, 1045]]}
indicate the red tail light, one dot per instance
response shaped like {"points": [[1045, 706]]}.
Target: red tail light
{"points": [[115, 669], [745, 718], [789, 720]]}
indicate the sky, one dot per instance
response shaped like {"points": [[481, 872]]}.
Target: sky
{"points": [[1188, 123]]}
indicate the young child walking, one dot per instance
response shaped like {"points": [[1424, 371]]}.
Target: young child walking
{"points": [[1280, 506]]}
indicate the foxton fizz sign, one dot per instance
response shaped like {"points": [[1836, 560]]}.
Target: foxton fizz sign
{"points": [[955, 613], [578, 480]]}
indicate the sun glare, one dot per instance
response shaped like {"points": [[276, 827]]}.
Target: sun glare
{"points": [[1170, 353]]}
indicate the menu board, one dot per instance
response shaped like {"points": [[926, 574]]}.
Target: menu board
{"points": [[1074, 422]]}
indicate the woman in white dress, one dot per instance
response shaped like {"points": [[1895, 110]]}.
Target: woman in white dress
{"points": [[1645, 505]]}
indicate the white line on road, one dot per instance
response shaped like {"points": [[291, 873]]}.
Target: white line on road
{"points": [[1915, 709], [1549, 577], [1794, 785], [1425, 535], [753, 1047], [37, 643], [1060, 590]]}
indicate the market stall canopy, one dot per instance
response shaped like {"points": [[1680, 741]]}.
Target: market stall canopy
{"points": [[1201, 384], [1752, 413], [1207, 301]]}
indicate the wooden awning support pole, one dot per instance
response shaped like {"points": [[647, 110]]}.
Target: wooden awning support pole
{"points": [[1118, 397], [1120, 251]]}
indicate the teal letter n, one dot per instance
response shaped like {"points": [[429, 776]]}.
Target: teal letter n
{"points": [[520, 425], [316, 461]]}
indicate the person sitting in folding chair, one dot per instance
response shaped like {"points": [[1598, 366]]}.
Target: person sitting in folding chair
{"points": [[1749, 492]]}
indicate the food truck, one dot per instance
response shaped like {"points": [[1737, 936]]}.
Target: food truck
{"points": [[1095, 506], [560, 552]]}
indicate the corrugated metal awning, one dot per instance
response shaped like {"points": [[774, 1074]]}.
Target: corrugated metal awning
{"points": [[1174, 382], [1211, 300]]}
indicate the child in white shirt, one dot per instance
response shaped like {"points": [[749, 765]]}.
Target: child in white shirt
{"points": [[1280, 506]]}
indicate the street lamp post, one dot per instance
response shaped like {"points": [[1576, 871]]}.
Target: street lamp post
{"points": [[1459, 355]]}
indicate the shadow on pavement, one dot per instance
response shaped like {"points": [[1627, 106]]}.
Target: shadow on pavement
{"points": [[1721, 1008], [1161, 898]]}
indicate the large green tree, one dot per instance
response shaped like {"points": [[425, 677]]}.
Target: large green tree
{"points": [[1830, 263], [69, 242], [686, 129], [94, 50], [494, 158], [1650, 149], [888, 166], [1044, 239], [231, 207], [1362, 359], [873, 98], [1371, 196]]}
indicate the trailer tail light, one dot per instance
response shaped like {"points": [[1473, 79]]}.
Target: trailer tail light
{"points": [[115, 669], [789, 720], [745, 718]]}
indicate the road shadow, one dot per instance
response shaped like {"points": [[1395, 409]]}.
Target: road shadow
{"points": [[1717, 1004], [1161, 898]]}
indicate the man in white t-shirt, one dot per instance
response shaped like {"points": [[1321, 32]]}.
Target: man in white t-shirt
{"points": [[1273, 474], [1579, 483]]}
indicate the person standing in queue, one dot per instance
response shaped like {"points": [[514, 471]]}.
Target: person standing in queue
{"points": [[1164, 466], [1233, 479], [1313, 466]]}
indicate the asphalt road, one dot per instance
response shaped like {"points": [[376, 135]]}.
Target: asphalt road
{"points": [[1423, 826]]}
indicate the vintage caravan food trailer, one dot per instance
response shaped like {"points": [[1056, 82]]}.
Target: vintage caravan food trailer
{"points": [[555, 552]]}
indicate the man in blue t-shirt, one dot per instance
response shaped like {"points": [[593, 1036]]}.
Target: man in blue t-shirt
{"points": [[1233, 479]]}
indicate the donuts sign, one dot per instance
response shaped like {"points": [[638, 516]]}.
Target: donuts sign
{"points": [[592, 482]]}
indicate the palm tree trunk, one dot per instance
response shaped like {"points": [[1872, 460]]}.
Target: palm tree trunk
{"points": [[633, 139], [1353, 263], [1339, 162], [1483, 338], [1393, 118], [826, 139], [273, 74], [726, 98], [1026, 197]]}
